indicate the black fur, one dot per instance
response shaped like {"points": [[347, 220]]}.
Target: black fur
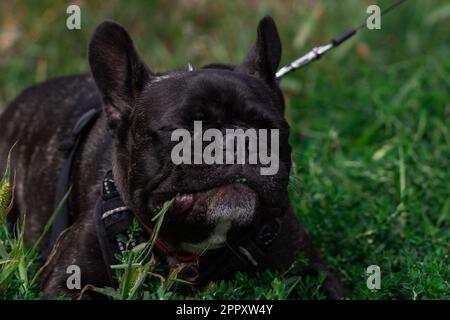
{"points": [[132, 136]]}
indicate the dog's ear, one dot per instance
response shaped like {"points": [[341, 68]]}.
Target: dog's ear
{"points": [[264, 57], [118, 71]]}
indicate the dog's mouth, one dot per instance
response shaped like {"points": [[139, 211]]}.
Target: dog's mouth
{"points": [[205, 220]]}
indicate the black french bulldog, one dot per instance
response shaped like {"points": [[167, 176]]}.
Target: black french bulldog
{"points": [[132, 136]]}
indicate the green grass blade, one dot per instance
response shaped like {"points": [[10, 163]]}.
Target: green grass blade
{"points": [[49, 223]]}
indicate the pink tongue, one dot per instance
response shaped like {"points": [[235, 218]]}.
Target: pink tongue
{"points": [[184, 202]]}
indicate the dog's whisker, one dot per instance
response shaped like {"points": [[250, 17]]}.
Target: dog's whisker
{"points": [[234, 251], [205, 249]]}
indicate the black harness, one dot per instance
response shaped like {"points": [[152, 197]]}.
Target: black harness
{"points": [[70, 147], [113, 220]]}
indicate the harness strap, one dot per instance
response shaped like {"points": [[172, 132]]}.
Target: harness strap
{"points": [[63, 219], [113, 221]]}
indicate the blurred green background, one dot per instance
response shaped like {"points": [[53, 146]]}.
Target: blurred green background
{"points": [[370, 120]]}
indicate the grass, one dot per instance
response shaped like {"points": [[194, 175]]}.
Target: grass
{"points": [[17, 261], [370, 129]]}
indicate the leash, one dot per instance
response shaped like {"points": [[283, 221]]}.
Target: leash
{"points": [[319, 51]]}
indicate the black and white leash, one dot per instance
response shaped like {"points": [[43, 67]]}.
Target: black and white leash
{"points": [[317, 52]]}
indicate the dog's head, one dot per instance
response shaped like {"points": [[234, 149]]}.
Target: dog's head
{"points": [[213, 202]]}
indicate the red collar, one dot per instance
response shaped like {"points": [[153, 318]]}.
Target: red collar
{"points": [[162, 247]]}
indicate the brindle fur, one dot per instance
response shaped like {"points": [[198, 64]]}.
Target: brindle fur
{"points": [[41, 118]]}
